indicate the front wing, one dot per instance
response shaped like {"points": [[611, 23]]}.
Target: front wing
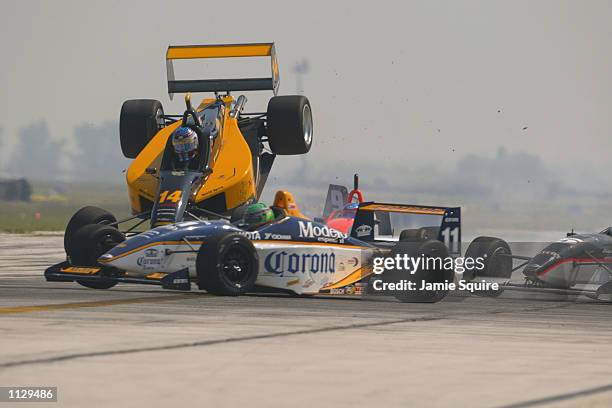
{"points": [[65, 272]]}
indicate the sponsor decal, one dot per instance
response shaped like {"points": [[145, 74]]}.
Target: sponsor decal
{"points": [[570, 240], [320, 232], [148, 263], [336, 291], [75, 269], [279, 262], [251, 234], [363, 230], [151, 253], [350, 263], [150, 233], [308, 283], [349, 290], [269, 235]]}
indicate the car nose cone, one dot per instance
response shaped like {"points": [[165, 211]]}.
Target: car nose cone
{"points": [[105, 258]]}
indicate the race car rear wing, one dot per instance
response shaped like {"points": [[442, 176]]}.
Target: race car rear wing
{"points": [[178, 52], [374, 217]]}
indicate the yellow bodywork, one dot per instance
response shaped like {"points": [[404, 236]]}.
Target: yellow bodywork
{"points": [[219, 51], [231, 163]]}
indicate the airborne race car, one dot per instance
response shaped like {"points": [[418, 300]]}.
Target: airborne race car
{"points": [[232, 163]]}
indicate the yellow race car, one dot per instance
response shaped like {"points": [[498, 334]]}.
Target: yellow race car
{"points": [[234, 149]]}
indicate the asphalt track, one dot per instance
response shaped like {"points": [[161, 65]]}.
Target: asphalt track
{"points": [[137, 346]]}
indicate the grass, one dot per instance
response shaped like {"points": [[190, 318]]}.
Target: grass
{"points": [[56, 202]]}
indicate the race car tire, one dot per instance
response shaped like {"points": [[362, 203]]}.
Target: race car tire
{"points": [[139, 121], [86, 215], [289, 124], [489, 249], [419, 234], [412, 235], [428, 249], [89, 242], [227, 265]]}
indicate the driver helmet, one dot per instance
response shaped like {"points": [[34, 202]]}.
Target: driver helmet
{"points": [[257, 215], [185, 143]]}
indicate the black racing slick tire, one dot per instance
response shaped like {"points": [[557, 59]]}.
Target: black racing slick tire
{"points": [[139, 121], [492, 251], [289, 124], [432, 249], [89, 243], [227, 265], [86, 215]]}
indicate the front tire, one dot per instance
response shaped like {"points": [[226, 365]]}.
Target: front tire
{"points": [[139, 121], [492, 251], [289, 125], [86, 215], [227, 265], [89, 243]]}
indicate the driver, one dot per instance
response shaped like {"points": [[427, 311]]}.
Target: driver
{"points": [[257, 215], [185, 143]]}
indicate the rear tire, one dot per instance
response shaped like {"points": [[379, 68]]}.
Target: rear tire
{"points": [[289, 125], [227, 265], [86, 215], [428, 249], [139, 121]]}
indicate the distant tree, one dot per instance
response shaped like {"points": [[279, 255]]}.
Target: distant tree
{"points": [[36, 155], [2, 162], [98, 155], [1, 150]]}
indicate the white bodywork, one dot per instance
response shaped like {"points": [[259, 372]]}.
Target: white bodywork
{"points": [[304, 268]]}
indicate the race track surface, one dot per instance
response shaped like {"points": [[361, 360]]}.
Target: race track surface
{"points": [[135, 346]]}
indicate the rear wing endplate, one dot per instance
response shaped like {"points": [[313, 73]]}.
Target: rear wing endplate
{"points": [[178, 52]]}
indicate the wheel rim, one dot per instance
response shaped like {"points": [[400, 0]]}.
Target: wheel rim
{"points": [[105, 244], [236, 266], [307, 120]]}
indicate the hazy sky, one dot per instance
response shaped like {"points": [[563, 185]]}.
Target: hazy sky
{"points": [[407, 84]]}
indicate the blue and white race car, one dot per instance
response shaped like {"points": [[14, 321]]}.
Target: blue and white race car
{"points": [[292, 253]]}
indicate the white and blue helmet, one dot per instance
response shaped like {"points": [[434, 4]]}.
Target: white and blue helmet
{"points": [[185, 143]]}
